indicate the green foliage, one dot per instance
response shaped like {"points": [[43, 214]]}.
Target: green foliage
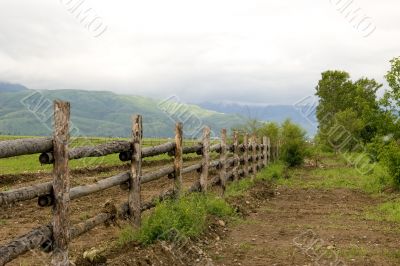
{"points": [[270, 129], [348, 112], [393, 79], [390, 158], [187, 216], [293, 149]]}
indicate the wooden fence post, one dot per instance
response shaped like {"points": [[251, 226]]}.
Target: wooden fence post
{"points": [[206, 159], [222, 169], [61, 184], [178, 161], [236, 157], [265, 147], [268, 150], [259, 153], [246, 155], [254, 157], [134, 199]]}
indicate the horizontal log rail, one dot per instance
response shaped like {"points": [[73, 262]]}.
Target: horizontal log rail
{"points": [[17, 147], [44, 189]]}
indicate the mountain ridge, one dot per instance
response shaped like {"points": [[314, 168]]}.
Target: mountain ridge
{"points": [[104, 113]]}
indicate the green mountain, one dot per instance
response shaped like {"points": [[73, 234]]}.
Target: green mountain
{"points": [[100, 113]]}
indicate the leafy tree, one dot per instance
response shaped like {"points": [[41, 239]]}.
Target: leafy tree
{"points": [[347, 107], [270, 129], [393, 78]]}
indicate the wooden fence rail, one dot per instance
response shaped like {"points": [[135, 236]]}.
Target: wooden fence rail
{"points": [[235, 161]]}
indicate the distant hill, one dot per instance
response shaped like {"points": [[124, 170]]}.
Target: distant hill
{"points": [[277, 113], [100, 113], [9, 87]]}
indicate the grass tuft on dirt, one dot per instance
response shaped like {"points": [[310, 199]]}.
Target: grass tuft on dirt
{"points": [[388, 211], [186, 216]]}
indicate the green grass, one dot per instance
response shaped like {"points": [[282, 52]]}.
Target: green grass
{"points": [[274, 171], [374, 182], [388, 211], [186, 217]]}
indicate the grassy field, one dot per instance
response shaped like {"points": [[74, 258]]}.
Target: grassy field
{"points": [[30, 163]]}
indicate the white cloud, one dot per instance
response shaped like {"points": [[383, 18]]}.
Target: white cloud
{"points": [[252, 51]]}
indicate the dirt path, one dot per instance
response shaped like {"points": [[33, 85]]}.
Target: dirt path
{"points": [[309, 227]]}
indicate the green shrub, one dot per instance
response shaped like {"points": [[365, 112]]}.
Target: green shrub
{"points": [[293, 149], [390, 158], [293, 152]]}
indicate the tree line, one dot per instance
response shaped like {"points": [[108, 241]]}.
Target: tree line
{"points": [[352, 118]]}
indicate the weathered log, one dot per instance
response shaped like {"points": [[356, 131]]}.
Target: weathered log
{"points": [[268, 150], [134, 199], [61, 184], [259, 157], [216, 148], [178, 160], [168, 194], [17, 147], [205, 159], [81, 191], [191, 168], [264, 151], [236, 155], [121, 147], [43, 189], [254, 156], [108, 215], [192, 149], [222, 158], [246, 155], [25, 193], [99, 150], [23, 244]]}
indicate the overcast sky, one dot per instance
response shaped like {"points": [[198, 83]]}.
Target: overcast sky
{"points": [[262, 51]]}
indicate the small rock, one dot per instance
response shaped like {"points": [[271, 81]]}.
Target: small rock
{"points": [[217, 238], [247, 202], [94, 255], [330, 247], [221, 223]]}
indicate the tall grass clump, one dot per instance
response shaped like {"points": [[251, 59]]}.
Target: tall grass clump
{"points": [[187, 216]]}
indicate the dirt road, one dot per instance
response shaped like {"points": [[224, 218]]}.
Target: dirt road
{"points": [[310, 227]]}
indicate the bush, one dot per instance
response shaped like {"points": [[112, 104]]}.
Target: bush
{"points": [[390, 158], [293, 149]]}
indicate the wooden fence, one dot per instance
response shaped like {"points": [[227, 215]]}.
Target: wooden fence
{"points": [[248, 158]]}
